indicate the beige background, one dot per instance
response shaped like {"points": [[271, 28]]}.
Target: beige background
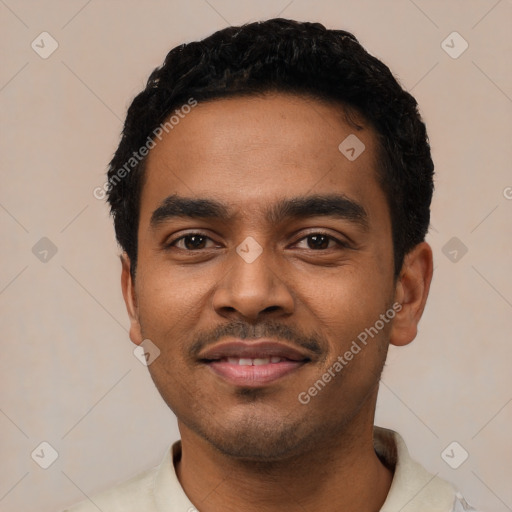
{"points": [[69, 376]]}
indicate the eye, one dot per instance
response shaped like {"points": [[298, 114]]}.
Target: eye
{"points": [[191, 242], [321, 241]]}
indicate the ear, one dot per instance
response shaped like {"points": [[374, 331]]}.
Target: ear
{"points": [[130, 299], [411, 293]]}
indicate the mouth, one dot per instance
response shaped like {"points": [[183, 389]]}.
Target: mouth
{"points": [[253, 364]]}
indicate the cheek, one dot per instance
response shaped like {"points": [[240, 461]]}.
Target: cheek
{"points": [[345, 300], [166, 301]]}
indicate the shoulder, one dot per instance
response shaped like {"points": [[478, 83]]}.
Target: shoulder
{"points": [[153, 490], [413, 487], [133, 494]]}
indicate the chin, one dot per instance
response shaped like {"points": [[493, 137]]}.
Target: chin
{"points": [[257, 448], [258, 439]]}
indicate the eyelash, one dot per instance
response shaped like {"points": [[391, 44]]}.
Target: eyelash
{"points": [[340, 243]]}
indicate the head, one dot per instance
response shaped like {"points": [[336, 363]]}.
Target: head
{"points": [[242, 132]]}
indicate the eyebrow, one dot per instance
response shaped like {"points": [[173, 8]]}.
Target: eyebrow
{"points": [[331, 205]]}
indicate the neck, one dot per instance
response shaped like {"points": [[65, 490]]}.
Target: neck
{"points": [[344, 474]]}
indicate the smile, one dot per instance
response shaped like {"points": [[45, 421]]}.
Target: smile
{"points": [[253, 364], [253, 372]]}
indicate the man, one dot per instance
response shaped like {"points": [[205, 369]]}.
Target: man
{"points": [[271, 194]]}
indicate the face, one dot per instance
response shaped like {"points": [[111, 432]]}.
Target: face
{"points": [[263, 254]]}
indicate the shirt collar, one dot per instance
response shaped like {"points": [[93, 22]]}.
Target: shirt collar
{"points": [[413, 488]]}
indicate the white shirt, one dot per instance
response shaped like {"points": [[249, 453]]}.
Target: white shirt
{"points": [[413, 488]]}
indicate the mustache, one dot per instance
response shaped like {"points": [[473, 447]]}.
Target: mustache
{"points": [[264, 330]]}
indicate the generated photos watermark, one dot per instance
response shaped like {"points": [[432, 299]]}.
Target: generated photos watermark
{"points": [[143, 151], [304, 397]]}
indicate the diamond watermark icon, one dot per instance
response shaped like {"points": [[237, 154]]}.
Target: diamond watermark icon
{"points": [[44, 250], [454, 45], [351, 147], [454, 455], [146, 352], [249, 249], [44, 45], [44, 455], [454, 249]]}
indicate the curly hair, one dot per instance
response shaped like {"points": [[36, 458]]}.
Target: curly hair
{"points": [[280, 55]]}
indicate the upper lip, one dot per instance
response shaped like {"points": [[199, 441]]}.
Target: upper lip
{"points": [[253, 350]]}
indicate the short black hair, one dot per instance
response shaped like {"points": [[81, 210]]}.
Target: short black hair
{"points": [[280, 55]]}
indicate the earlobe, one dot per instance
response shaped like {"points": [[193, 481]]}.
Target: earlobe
{"points": [[130, 299], [411, 293]]}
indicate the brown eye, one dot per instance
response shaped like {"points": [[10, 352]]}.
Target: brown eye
{"points": [[191, 242], [318, 241]]}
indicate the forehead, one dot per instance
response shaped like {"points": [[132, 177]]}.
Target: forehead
{"points": [[249, 151]]}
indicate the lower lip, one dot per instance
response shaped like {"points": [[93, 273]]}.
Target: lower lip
{"points": [[253, 376]]}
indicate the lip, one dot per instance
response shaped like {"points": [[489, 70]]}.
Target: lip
{"points": [[216, 358], [253, 350]]}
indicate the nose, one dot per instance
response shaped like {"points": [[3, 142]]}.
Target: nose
{"points": [[253, 289]]}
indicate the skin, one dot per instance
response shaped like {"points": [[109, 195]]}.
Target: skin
{"points": [[261, 449]]}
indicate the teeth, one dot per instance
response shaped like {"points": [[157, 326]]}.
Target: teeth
{"points": [[243, 361], [262, 360]]}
